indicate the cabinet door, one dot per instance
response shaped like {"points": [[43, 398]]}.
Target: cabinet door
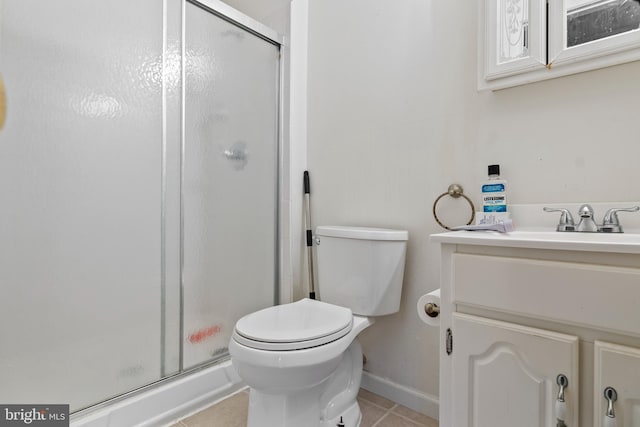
{"points": [[513, 33], [617, 366], [583, 30], [505, 374]]}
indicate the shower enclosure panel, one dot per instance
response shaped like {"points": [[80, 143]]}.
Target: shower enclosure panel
{"points": [[230, 152], [138, 192], [80, 220]]}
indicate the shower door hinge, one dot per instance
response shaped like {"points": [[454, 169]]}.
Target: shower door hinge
{"points": [[449, 343]]}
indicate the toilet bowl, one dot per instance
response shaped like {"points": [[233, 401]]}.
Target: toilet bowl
{"points": [[294, 381], [302, 360]]}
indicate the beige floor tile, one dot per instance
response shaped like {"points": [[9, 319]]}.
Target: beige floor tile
{"points": [[375, 399], [370, 413], [376, 411], [393, 420], [415, 416], [231, 412]]}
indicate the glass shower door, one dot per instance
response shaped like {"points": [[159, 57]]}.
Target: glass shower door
{"points": [[229, 180], [138, 193], [80, 194]]}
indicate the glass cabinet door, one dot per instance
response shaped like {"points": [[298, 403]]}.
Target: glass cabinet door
{"points": [[586, 29], [514, 36]]}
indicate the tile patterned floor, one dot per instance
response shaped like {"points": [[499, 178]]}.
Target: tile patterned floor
{"points": [[376, 412]]}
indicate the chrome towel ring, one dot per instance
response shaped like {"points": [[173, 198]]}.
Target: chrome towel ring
{"points": [[456, 191]]}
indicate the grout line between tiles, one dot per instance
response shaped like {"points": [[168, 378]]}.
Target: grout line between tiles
{"points": [[378, 405], [386, 413], [381, 418], [391, 411], [413, 422]]}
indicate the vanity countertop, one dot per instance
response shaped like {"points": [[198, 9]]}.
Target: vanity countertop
{"points": [[535, 239]]}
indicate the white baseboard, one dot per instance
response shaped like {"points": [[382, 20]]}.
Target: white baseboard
{"points": [[413, 399], [167, 402]]}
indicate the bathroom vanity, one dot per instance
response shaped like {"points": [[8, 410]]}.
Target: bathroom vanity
{"points": [[535, 326]]}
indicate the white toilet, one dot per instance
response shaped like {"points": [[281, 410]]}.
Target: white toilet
{"points": [[302, 360]]}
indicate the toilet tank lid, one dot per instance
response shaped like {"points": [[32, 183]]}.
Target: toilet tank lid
{"points": [[364, 233]]}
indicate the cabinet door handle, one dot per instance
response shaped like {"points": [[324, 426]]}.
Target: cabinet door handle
{"points": [[561, 404], [610, 395]]}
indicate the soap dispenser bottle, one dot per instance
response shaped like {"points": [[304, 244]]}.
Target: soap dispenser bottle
{"points": [[494, 191]]}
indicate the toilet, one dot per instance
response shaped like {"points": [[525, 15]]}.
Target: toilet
{"points": [[302, 361]]}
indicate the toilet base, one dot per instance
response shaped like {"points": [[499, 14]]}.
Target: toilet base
{"points": [[274, 411], [350, 417], [321, 405]]}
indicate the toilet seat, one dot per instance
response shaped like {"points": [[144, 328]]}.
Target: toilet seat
{"points": [[303, 324]]}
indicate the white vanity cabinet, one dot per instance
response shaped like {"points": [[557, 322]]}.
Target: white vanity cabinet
{"points": [[517, 312]]}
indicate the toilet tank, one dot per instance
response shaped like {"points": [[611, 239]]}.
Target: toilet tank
{"points": [[361, 268]]}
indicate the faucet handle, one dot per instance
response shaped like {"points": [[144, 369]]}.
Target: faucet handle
{"points": [[566, 220], [611, 223]]}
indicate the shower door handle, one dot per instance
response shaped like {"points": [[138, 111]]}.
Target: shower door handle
{"points": [[237, 154]]}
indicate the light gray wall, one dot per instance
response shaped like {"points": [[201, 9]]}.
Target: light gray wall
{"points": [[394, 118]]}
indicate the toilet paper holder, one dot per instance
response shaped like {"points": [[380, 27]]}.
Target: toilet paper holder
{"points": [[428, 308], [432, 309]]}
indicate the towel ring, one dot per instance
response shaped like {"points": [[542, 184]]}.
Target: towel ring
{"points": [[455, 191]]}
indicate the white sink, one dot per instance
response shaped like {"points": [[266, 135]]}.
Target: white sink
{"points": [[594, 242]]}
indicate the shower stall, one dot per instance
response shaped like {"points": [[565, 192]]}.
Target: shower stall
{"points": [[139, 192]]}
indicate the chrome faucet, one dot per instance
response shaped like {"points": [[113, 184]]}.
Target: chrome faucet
{"points": [[587, 224]]}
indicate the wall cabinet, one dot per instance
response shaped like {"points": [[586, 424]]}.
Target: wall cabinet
{"points": [[532, 336], [523, 41]]}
